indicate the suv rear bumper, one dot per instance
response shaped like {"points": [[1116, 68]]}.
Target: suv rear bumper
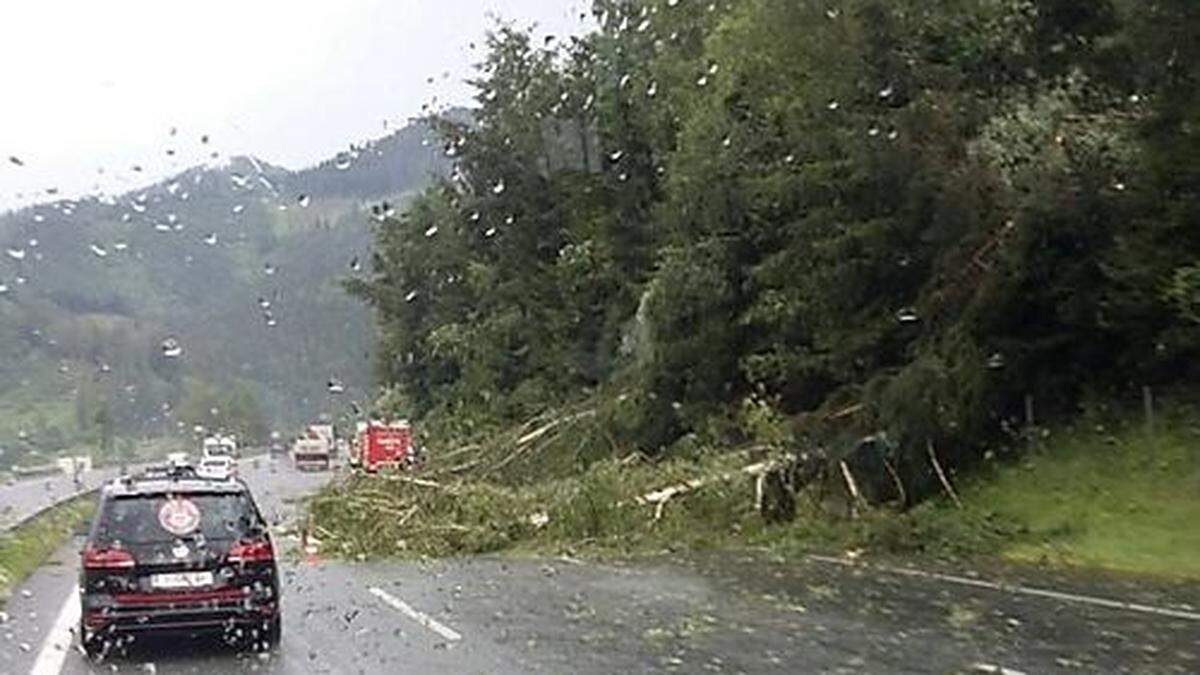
{"points": [[212, 610]]}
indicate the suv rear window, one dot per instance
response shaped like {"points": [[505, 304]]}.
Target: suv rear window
{"points": [[136, 519]]}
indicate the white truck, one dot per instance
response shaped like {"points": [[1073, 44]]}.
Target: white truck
{"points": [[314, 450], [220, 446]]}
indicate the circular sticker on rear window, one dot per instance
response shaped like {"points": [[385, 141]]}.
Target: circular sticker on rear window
{"points": [[179, 517]]}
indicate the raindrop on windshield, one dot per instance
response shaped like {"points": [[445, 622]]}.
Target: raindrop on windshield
{"points": [[499, 188], [16, 253], [996, 361], [907, 315], [171, 348], [342, 162], [335, 386], [16, 160], [303, 201], [433, 229], [211, 239], [100, 251]]}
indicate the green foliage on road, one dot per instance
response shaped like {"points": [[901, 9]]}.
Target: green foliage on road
{"points": [[931, 209], [1093, 498], [25, 548]]}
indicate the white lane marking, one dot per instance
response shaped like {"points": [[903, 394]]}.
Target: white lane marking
{"points": [[60, 640], [420, 617], [1016, 588], [995, 670]]}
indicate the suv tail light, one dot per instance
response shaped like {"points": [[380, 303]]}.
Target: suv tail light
{"points": [[251, 551], [107, 559]]}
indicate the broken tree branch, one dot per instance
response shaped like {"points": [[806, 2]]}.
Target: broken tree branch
{"points": [[857, 498], [937, 467], [896, 479]]}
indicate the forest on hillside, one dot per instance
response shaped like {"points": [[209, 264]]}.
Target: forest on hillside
{"points": [[209, 300], [744, 221]]}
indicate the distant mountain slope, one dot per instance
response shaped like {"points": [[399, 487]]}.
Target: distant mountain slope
{"points": [[239, 265]]}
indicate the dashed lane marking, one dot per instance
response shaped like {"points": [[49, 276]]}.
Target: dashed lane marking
{"points": [[420, 617]]}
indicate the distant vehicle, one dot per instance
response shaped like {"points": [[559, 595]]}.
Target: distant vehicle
{"points": [[220, 446], [218, 467], [380, 445], [314, 450], [170, 552], [74, 465]]}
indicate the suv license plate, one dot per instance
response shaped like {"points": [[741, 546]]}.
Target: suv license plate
{"points": [[182, 580]]}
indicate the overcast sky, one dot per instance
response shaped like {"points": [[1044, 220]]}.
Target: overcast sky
{"points": [[91, 88]]}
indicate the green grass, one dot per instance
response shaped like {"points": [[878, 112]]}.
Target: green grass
{"points": [[25, 548], [1127, 503]]}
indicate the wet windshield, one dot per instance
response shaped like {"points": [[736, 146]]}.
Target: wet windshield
{"points": [[594, 336]]}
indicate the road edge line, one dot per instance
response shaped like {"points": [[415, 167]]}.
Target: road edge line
{"points": [[59, 640], [1015, 588]]}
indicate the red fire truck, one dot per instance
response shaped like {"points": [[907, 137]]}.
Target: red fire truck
{"points": [[382, 444]]}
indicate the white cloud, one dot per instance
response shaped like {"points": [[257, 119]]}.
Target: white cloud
{"points": [[98, 84]]}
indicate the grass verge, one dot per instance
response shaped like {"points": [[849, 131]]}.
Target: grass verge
{"points": [[24, 548]]}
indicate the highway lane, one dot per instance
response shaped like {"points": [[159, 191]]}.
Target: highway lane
{"points": [[716, 613], [26, 497]]}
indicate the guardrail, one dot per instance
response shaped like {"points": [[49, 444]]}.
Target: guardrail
{"points": [[91, 490], [49, 507]]}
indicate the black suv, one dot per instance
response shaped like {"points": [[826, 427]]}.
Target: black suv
{"points": [[169, 551]]}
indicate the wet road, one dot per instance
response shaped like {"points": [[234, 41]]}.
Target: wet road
{"points": [[719, 613], [26, 497]]}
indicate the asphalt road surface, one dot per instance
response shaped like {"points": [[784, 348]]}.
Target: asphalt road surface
{"points": [[26, 497], [720, 613]]}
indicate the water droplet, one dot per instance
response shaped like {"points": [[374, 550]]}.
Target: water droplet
{"points": [[490, 232], [499, 187], [652, 90], [616, 156], [269, 269], [703, 81], [239, 208], [996, 361], [211, 239], [412, 295], [834, 105], [171, 348], [16, 253], [303, 201], [342, 162], [335, 386], [433, 229], [120, 246], [886, 92], [907, 315], [100, 251]]}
